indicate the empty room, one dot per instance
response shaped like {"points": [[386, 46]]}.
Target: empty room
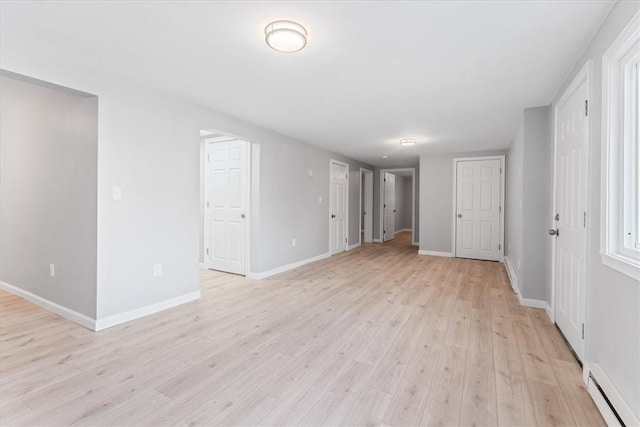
{"points": [[320, 213]]}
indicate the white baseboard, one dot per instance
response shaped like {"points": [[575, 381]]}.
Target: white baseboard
{"points": [[117, 319], [352, 247], [278, 270], [202, 265], [550, 313], [435, 253], [401, 231], [377, 240], [617, 401], [58, 309], [511, 273], [534, 303]]}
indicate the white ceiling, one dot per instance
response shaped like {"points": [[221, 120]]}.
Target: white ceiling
{"points": [[454, 74]]}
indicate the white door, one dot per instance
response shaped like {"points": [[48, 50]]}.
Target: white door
{"points": [[226, 205], [368, 207], [478, 198], [338, 208], [389, 206], [572, 128]]}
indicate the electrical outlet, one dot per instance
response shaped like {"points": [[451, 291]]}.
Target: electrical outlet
{"points": [[293, 242], [52, 270], [310, 173], [157, 270]]}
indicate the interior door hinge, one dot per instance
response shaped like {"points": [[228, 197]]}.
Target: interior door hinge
{"points": [[499, 246], [500, 170], [583, 331], [207, 203], [584, 220], [586, 107], [207, 251], [499, 208], [208, 158]]}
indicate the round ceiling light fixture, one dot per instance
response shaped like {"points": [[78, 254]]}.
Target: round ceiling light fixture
{"points": [[408, 142], [285, 36]]}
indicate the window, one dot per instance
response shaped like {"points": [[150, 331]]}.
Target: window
{"points": [[620, 240]]}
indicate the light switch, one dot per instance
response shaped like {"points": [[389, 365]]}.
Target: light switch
{"points": [[310, 173], [117, 193], [320, 199]]}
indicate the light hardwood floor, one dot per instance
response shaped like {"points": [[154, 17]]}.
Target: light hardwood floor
{"points": [[375, 336]]}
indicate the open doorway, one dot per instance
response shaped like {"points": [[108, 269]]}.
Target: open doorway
{"points": [[398, 206], [225, 183], [366, 206]]}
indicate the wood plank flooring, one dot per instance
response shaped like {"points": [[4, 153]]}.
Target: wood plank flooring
{"points": [[375, 336]]}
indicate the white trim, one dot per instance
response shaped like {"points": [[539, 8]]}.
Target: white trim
{"points": [[455, 198], [401, 231], [202, 265], [529, 302], [621, 406], [413, 200], [511, 273], [346, 207], [612, 150], [354, 246], [282, 269], [364, 171], [583, 74], [377, 240], [435, 253], [117, 319], [51, 306], [550, 314]]}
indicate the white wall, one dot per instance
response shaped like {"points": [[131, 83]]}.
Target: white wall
{"points": [[48, 140], [436, 199], [612, 325]]}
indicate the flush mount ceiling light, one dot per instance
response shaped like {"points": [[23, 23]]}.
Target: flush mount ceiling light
{"points": [[285, 36], [384, 157], [408, 142]]}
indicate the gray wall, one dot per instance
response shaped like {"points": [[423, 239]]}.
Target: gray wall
{"points": [[436, 199], [48, 209], [513, 202], [535, 202], [149, 145], [528, 203], [612, 328], [407, 198]]}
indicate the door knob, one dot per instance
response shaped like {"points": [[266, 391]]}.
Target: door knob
{"points": [[242, 216], [459, 215], [333, 216], [555, 232]]}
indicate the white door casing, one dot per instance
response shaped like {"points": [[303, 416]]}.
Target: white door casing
{"points": [[338, 195], [226, 205], [478, 208], [389, 206], [368, 207], [570, 182]]}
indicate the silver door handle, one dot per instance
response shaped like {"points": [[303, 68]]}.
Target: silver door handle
{"points": [[333, 216], [459, 215], [242, 216], [555, 232]]}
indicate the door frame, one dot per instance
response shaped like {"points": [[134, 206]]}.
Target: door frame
{"points": [[346, 214], [413, 202], [363, 172], [454, 223], [584, 74], [253, 155]]}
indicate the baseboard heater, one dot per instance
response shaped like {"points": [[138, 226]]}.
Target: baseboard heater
{"points": [[613, 408]]}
